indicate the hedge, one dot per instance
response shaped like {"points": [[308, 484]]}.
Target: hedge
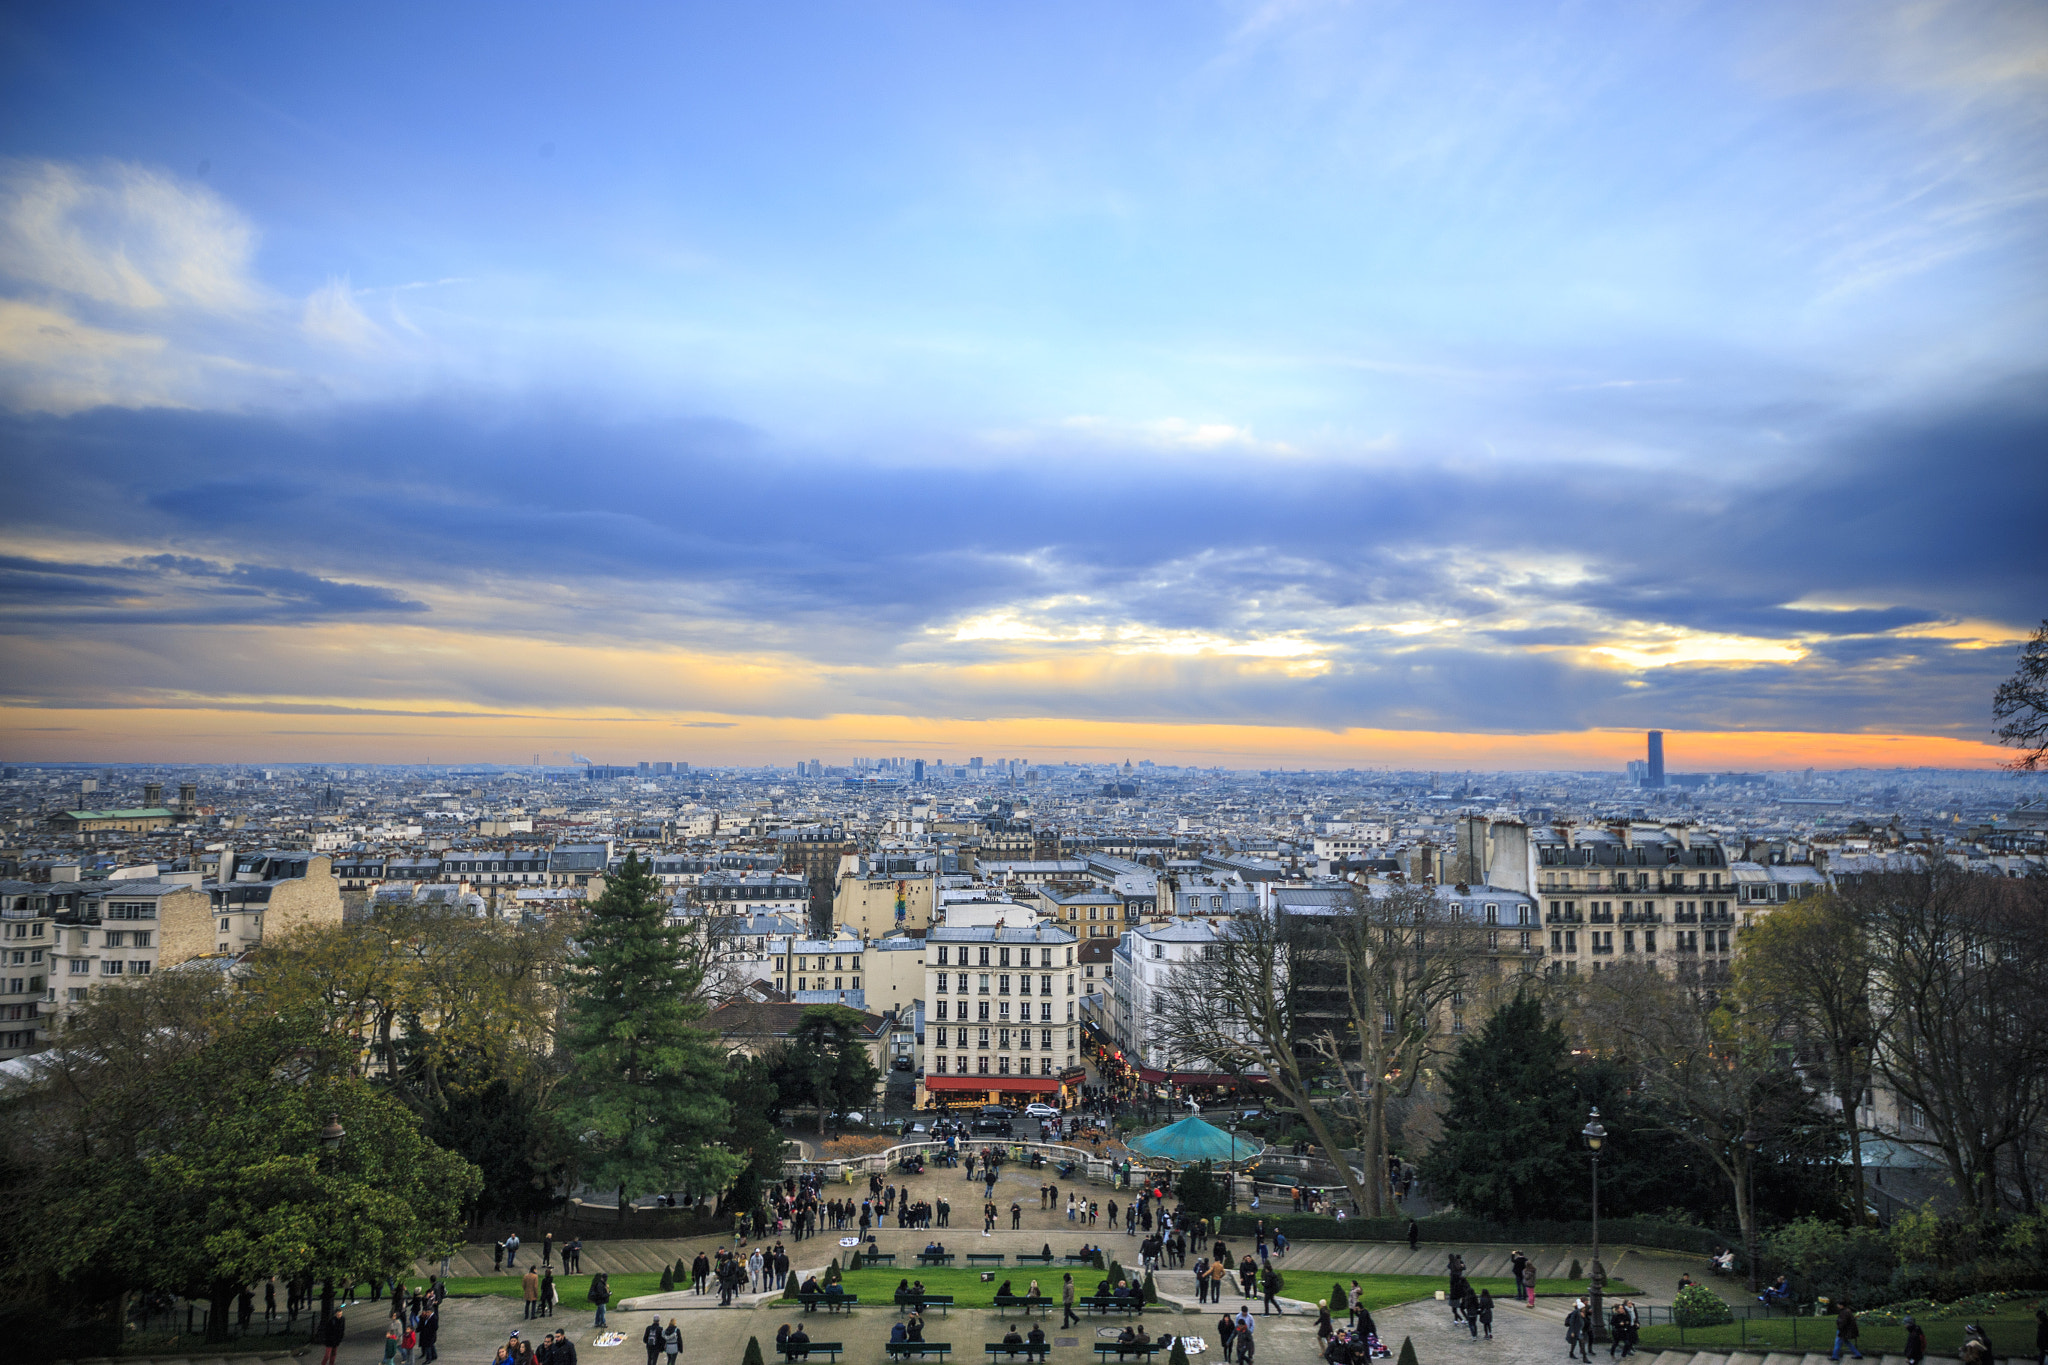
{"points": [[1643, 1232]]}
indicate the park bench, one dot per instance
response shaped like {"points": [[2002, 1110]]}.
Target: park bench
{"points": [[878, 1258], [833, 1302], [984, 1258], [942, 1302], [805, 1348], [1072, 1259], [1027, 1302], [935, 1258], [1112, 1305], [1042, 1257], [1028, 1350], [902, 1350], [1143, 1350]]}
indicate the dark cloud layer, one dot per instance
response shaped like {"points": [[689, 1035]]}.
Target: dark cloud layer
{"points": [[1903, 521]]}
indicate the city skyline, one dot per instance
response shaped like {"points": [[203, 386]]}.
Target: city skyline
{"points": [[1257, 385]]}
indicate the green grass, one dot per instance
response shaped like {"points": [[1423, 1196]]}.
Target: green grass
{"points": [[2011, 1330]]}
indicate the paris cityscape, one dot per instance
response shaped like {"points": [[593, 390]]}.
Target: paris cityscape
{"points": [[1283, 681]]}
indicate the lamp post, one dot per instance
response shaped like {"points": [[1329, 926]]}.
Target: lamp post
{"points": [[1596, 1138], [330, 1153], [1232, 1176], [1752, 1140]]}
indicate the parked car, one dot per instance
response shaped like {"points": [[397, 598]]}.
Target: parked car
{"points": [[901, 1064], [1041, 1111], [992, 1127]]}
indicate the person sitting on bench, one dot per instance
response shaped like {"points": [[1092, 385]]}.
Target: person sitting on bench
{"points": [[1046, 1251], [897, 1335], [1010, 1338], [1036, 1339], [810, 1286], [917, 1290], [903, 1287], [782, 1337], [797, 1341], [1725, 1262], [935, 1249], [1004, 1292], [1781, 1292], [914, 1329]]}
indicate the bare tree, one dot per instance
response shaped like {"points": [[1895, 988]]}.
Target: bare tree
{"points": [[1233, 1009], [1713, 1069], [1808, 967], [1384, 977], [1962, 991], [2022, 703]]}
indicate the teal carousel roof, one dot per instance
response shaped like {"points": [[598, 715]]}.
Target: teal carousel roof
{"points": [[1192, 1140]]}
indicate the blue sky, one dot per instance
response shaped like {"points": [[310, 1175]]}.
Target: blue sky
{"points": [[1298, 369]]}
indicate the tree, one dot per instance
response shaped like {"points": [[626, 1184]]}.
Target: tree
{"points": [[2022, 703], [752, 1096], [1199, 1192], [180, 1131], [1510, 1118], [502, 1134], [646, 1098], [1715, 1074], [1232, 1008], [827, 1061], [753, 1355], [1808, 966], [1961, 974]]}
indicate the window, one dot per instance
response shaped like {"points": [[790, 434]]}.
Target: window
{"points": [[984, 958], [942, 957], [224, 924], [79, 966], [138, 968], [939, 1064], [110, 966], [1649, 940], [982, 984], [1493, 914], [116, 940], [1002, 957], [1045, 1010], [942, 1012], [1045, 1040], [1045, 985], [981, 1013], [1045, 957], [981, 1065], [1003, 984], [1045, 1066]]}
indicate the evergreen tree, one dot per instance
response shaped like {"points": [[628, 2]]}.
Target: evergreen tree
{"points": [[827, 1062], [1179, 1354], [646, 1087], [1510, 1119], [1407, 1351], [753, 1355], [1201, 1193], [668, 1280]]}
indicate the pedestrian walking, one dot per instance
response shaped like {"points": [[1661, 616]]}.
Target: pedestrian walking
{"points": [[1269, 1284], [651, 1339], [1414, 1233], [529, 1285], [600, 1293], [672, 1341], [1916, 1343], [332, 1333], [1486, 1312], [1845, 1334], [1067, 1318]]}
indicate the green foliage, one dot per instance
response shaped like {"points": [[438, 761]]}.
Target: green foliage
{"points": [[1510, 1118], [1200, 1192], [832, 1272], [507, 1137], [1149, 1289], [1116, 1272], [1699, 1306], [826, 1062], [1407, 1356], [789, 1286], [668, 1280], [646, 1087], [1577, 1272], [753, 1355], [1098, 1258], [184, 1152], [753, 1097], [1662, 1233], [1830, 1261], [1340, 1299], [682, 1272], [853, 1261], [1179, 1354]]}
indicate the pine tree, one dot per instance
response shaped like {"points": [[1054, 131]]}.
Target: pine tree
{"points": [[1179, 1354], [645, 1086], [1510, 1117], [682, 1271], [753, 1355], [1407, 1351], [668, 1280], [1340, 1300], [1150, 1290]]}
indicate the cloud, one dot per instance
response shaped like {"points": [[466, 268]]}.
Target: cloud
{"points": [[181, 590]]}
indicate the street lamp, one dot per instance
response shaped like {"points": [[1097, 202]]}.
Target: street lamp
{"points": [[1751, 1139], [330, 1153], [1596, 1138], [1231, 1175]]}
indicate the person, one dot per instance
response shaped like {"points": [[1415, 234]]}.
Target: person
{"points": [[1414, 1233], [1483, 1310], [1244, 1335], [1366, 1326], [672, 1341], [565, 1350], [1067, 1318], [332, 1333], [2041, 1336], [1575, 1333], [1324, 1329], [1013, 1337], [798, 1340], [1036, 1338], [913, 1330], [600, 1291], [394, 1333], [547, 1248], [1357, 1302], [1781, 1292], [511, 1251], [651, 1339], [497, 1256], [548, 1296], [1916, 1342], [529, 1284], [1226, 1330], [1845, 1334], [1617, 1330], [782, 1337], [430, 1333], [1269, 1286], [1977, 1346]]}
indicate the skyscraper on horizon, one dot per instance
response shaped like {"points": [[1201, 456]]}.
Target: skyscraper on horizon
{"points": [[1654, 775]]}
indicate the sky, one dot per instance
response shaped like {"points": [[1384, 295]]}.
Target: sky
{"points": [[1299, 382]]}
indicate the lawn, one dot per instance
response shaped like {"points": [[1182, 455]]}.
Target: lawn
{"points": [[2011, 1330], [570, 1289], [878, 1285]]}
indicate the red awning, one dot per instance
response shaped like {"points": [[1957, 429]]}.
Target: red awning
{"points": [[1046, 1084], [1146, 1073], [1202, 1078]]}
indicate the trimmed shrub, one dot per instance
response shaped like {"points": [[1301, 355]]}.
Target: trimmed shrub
{"points": [[668, 1280], [1149, 1289], [1644, 1232], [753, 1355], [682, 1272], [1576, 1272], [1340, 1299], [1179, 1354], [1407, 1351], [832, 1274], [1699, 1306], [853, 1261]]}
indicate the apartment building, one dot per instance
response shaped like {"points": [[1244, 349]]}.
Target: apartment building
{"points": [[876, 904], [1001, 1013], [1659, 896], [1085, 912], [1142, 968], [27, 924]]}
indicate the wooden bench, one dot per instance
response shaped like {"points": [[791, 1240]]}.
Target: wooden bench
{"points": [[1144, 1350], [805, 1348], [833, 1302], [1027, 1302], [878, 1258], [1112, 1305], [1015, 1349], [1041, 1257], [935, 1258], [1089, 1259], [942, 1302], [902, 1350], [984, 1258]]}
